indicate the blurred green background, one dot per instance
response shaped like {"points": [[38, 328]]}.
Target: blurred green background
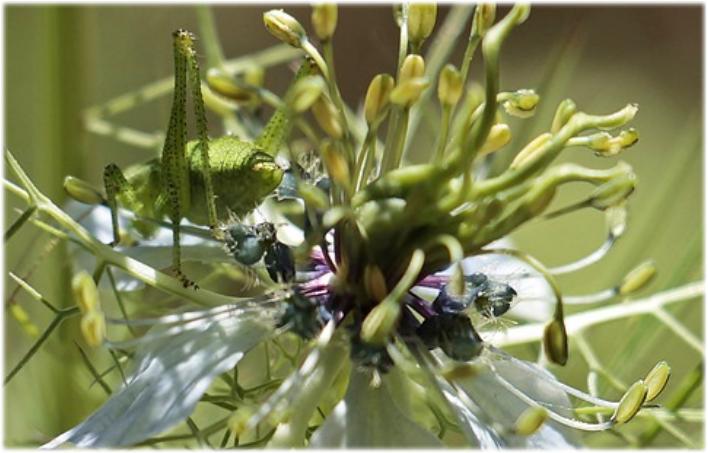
{"points": [[60, 60]]}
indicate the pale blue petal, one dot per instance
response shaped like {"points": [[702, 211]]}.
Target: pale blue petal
{"points": [[500, 405], [172, 374], [368, 417]]}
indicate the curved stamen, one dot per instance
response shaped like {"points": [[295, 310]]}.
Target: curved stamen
{"points": [[587, 260]]}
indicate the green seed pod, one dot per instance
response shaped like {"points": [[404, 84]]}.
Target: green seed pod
{"points": [[566, 109], [375, 283], [530, 421], [305, 92], [413, 67], [450, 85], [85, 292], [377, 96], [656, 379], [380, 322], [421, 21], [326, 115], [637, 278], [483, 19], [284, 27], [630, 403], [324, 20], [555, 342], [82, 191], [93, 328]]}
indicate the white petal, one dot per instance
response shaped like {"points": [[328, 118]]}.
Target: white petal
{"points": [[368, 417], [504, 408], [172, 374]]}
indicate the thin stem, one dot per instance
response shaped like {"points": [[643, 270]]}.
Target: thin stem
{"points": [[679, 329]]}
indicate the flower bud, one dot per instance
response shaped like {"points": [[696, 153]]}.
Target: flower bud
{"points": [[606, 145], [613, 191], [457, 284], [326, 116], [254, 75], [375, 283], [335, 163], [656, 379], [23, 320], [616, 219], [408, 92], [324, 20], [499, 136], [93, 327], [380, 322], [450, 85], [566, 109], [630, 403], [377, 96], [239, 420], [483, 19], [637, 278], [217, 103], [522, 103], [85, 292], [284, 27], [529, 152], [530, 421], [421, 21], [413, 67], [226, 86], [82, 191], [555, 342], [305, 92]]}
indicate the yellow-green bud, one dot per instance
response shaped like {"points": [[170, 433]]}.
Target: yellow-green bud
{"points": [[335, 163], [637, 278], [305, 92], [529, 152], [377, 96], [555, 342], [218, 104], [566, 109], [93, 328], [324, 20], [375, 283], [450, 85], [530, 421], [616, 219], [483, 19], [630, 403], [413, 67], [239, 419], [499, 136], [254, 75], [522, 103], [406, 93], [613, 191], [421, 21], [82, 191], [656, 379], [226, 86], [23, 320], [606, 145], [284, 27], [380, 322], [326, 115], [85, 292], [457, 285]]}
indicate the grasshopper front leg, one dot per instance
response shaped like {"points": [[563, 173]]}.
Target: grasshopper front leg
{"points": [[116, 184]]}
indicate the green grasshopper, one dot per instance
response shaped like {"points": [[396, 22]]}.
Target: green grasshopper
{"points": [[202, 180]]}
